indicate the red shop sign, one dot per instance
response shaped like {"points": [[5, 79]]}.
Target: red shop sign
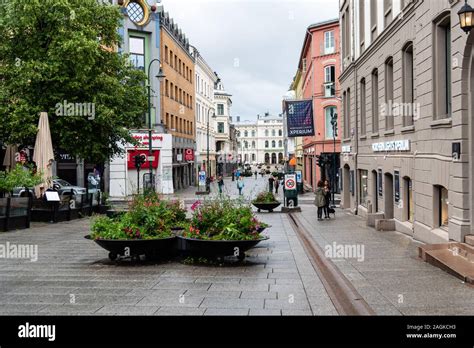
{"points": [[189, 155], [132, 153]]}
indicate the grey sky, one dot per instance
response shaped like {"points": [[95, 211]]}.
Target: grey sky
{"points": [[254, 45]]}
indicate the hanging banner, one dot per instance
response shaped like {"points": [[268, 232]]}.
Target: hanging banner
{"points": [[299, 115]]}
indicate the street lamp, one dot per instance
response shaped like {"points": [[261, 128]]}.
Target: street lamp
{"points": [[160, 78], [208, 166], [466, 17], [334, 135]]}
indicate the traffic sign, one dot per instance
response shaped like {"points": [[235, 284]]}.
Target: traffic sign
{"points": [[290, 182]]}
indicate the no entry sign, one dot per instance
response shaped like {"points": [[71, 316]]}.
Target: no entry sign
{"points": [[290, 182]]}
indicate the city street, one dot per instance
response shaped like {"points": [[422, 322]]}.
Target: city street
{"points": [[74, 276]]}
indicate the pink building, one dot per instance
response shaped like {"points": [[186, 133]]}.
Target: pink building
{"points": [[320, 67]]}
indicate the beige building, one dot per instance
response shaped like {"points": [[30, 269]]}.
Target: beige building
{"points": [[297, 88], [407, 86]]}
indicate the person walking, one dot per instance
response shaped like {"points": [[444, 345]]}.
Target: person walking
{"points": [[277, 185], [240, 185], [220, 183], [233, 175], [256, 174], [327, 198], [271, 180], [319, 200]]}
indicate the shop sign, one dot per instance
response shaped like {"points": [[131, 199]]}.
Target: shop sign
{"points": [[132, 153], [189, 155], [346, 149], [392, 146]]}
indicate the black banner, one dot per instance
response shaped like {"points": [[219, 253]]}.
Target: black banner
{"points": [[299, 115]]}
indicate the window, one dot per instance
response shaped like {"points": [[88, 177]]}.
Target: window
{"points": [[220, 109], [347, 114], [375, 101], [246, 144], [441, 206], [329, 42], [266, 143], [408, 83], [329, 112], [373, 18], [280, 133], [137, 52], [387, 9], [253, 144], [246, 134], [273, 133], [253, 133], [166, 54], [304, 65], [442, 68], [363, 115], [273, 143], [136, 12], [171, 58], [388, 93], [220, 127], [280, 143], [266, 132], [330, 81], [362, 25], [167, 91], [363, 187]]}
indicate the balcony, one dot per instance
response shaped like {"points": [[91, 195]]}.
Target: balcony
{"points": [[329, 89]]}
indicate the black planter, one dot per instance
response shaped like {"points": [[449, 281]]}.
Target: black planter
{"points": [[266, 206], [215, 248], [154, 248]]}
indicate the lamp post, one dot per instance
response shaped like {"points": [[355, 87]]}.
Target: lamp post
{"points": [[334, 135], [208, 166], [160, 78], [466, 17]]}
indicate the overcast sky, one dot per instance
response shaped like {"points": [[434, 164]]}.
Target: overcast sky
{"points": [[254, 45]]}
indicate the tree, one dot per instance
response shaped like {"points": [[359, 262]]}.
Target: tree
{"points": [[56, 52]]}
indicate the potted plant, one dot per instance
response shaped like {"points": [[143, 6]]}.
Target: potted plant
{"points": [[266, 201], [145, 229], [219, 228]]}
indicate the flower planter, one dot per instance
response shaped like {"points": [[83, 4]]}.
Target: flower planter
{"points": [[151, 248], [216, 248], [266, 206], [115, 213]]}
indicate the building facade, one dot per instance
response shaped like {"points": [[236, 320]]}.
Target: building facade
{"points": [[141, 39], [262, 141], [205, 80], [296, 88], [223, 130], [178, 100], [320, 67], [407, 116]]}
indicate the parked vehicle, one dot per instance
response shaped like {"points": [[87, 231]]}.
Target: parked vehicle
{"points": [[60, 185]]}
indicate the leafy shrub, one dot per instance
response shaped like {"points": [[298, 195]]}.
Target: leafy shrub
{"points": [[19, 177], [265, 197]]}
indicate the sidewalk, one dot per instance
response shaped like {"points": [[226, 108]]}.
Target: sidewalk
{"points": [[391, 278]]}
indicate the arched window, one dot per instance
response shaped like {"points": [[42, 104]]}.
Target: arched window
{"points": [[246, 144], [266, 143], [280, 143], [280, 158], [274, 158], [253, 133], [273, 133], [246, 134], [267, 158], [253, 157], [253, 144], [280, 133], [266, 132], [273, 143]]}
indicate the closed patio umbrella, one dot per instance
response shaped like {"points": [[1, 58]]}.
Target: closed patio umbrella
{"points": [[44, 155], [10, 161]]}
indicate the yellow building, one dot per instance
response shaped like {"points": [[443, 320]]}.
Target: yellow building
{"points": [[178, 100]]}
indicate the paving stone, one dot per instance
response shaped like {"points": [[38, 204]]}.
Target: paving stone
{"points": [[296, 312], [69, 309], [239, 287], [126, 310], [184, 301], [265, 312], [211, 294], [232, 303], [226, 311], [258, 294], [182, 285], [292, 304], [180, 311]]}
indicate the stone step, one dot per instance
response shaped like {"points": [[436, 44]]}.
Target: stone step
{"points": [[469, 239]]}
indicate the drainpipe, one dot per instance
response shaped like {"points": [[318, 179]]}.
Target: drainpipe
{"points": [[356, 133]]}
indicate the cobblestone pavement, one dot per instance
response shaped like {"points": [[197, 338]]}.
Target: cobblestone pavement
{"points": [[73, 276]]}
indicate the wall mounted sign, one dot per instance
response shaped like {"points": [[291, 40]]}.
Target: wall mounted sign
{"points": [[392, 146], [346, 149], [189, 155], [132, 153]]}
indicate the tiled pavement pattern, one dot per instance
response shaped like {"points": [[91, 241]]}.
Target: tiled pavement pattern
{"points": [[74, 277], [391, 278]]}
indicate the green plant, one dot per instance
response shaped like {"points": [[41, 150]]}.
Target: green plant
{"points": [[265, 197], [19, 177], [149, 217], [223, 219]]}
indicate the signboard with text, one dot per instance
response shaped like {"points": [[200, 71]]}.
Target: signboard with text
{"points": [[189, 155], [299, 116], [132, 153]]}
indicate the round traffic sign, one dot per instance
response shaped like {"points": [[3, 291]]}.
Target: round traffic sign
{"points": [[290, 184]]}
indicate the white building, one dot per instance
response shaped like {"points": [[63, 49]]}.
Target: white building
{"points": [[223, 120], [261, 141], [205, 80]]}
